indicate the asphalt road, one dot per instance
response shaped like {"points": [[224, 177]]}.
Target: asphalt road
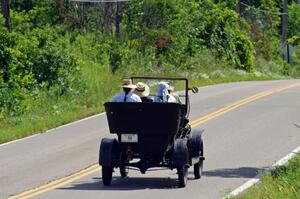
{"points": [[238, 144]]}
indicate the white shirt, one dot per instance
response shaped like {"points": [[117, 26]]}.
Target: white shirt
{"points": [[168, 98], [131, 97]]}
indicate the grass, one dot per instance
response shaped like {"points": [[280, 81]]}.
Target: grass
{"points": [[283, 183]]}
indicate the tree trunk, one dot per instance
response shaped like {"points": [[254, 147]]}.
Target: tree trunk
{"points": [[118, 20], [108, 17], [62, 9], [5, 13], [27, 5], [82, 15]]}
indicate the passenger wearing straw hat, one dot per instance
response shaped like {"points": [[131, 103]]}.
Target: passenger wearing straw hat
{"points": [[143, 91], [127, 95]]}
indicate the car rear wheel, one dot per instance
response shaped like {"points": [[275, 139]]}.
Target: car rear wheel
{"points": [[198, 167], [107, 175], [182, 176]]}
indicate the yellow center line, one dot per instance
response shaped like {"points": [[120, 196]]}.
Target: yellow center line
{"points": [[57, 183], [94, 168], [242, 102]]}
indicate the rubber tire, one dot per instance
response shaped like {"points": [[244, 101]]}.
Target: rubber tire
{"points": [[124, 171], [107, 175], [198, 167], [182, 176]]}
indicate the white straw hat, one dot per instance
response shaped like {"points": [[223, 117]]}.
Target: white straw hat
{"points": [[127, 83], [142, 89]]}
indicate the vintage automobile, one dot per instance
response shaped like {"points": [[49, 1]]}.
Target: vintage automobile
{"points": [[151, 135]]}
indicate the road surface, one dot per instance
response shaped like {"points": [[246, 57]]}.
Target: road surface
{"points": [[240, 141]]}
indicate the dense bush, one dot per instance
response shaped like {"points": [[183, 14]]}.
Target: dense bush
{"points": [[221, 30], [30, 62], [40, 12], [264, 19], [180, 30], [294, 20]]}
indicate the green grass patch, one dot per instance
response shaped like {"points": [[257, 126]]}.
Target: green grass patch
{"points": [[282, 183]]}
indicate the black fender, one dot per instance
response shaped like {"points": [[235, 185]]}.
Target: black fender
{"points": [[196, 142], [180, 154], [107, 152]]}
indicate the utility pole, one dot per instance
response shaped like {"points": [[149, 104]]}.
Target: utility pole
{"points": [[284, 21], [5, 13], [284, 29]]}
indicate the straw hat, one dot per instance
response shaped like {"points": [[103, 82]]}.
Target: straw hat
{"points": [[142, 89], [171, 88], [127, 83]]}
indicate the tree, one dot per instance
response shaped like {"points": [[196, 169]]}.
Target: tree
{"points": [[5, 13], [62, 9], [294, 21], [28, 5]]}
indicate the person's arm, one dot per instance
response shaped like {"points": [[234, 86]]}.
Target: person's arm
{"points": [[171, 99]]}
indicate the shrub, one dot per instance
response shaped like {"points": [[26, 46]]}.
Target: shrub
{"points": [[29, 62]]}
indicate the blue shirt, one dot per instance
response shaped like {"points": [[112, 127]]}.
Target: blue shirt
{"points": [[130, 97]]}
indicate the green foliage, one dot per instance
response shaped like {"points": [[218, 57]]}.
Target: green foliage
{"points": [[179, 30], [294, 20], [30, 62], [264, 18], [220, 30], [229, 3], [40, 12]]}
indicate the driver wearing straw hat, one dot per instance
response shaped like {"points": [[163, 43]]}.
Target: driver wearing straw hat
{"points": [[127, 95], [143, 91]]}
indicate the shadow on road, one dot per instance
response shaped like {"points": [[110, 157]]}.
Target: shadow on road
{"points": [[129, 183], [140, 183], [242, 172]]}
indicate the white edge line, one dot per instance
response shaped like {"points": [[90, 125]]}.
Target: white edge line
{"points": [[59, 127], [257, 178]]}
